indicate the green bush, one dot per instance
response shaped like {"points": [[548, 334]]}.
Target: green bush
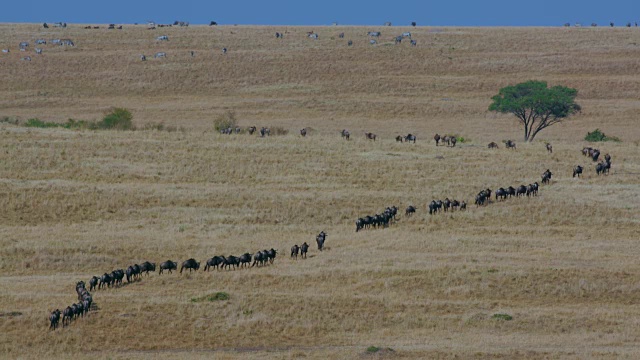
{"points": [[225, 121], [117, 119], [373, 349], [70, 124], [597, 136], [219, 296], [505, 317], [37, 123]]}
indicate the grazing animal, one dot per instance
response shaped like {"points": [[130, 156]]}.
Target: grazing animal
{"points": [[259, 258], [224, 50], [162, 38], [265, 131], [521, 191], [160, 55], [510, 144], [595, 155], [320, 240], [414, 43], [493, 145], [271, 255], [251, 130], [143, 58], [549, 148], [231, 262], [546, 176], [295, 249], [437, 139], [399, 138], [245, 259], [349, 43], [26, 58], [169, 266], [602, 167], [304, 248], [93, 282], [410, 138], [214, 262], [54, 318], [511, 191], [374, 33], [105, 280], [577, 171], [410, 210], [370, 136], [303, 132], [67, 316], [463, 205], [345, 134], [45, 25], [146, 267], [38, 51], [607, 158], [406, 35], [372, 42], [190, 264]]}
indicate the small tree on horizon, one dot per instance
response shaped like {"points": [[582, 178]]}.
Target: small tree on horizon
{"points": [[536, 105]]}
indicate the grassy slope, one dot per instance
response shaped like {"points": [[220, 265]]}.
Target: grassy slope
{"points": [[76, 204]]}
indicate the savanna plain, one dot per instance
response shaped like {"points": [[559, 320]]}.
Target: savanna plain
{"points": [[77, 203]]}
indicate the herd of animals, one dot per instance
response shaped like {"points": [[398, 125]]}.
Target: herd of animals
{"points": [[133, 273]]}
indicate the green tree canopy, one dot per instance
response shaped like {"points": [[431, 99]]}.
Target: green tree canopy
{"points": [[536, 105]]}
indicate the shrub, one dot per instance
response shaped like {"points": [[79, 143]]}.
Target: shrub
{"points": [[225, 121], [37, 123], [597, 136], [118, 119], [505, 317], [219, 296], [70, 124], [373, 349]]}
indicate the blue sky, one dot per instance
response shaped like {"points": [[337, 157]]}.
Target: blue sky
{"points": [[318, 12]]}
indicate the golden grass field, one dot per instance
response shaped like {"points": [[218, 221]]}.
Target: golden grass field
{"points": [[74, 204]]}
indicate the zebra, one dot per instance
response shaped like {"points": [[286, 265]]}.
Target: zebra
{"points": [[372, 42], [160, 55], [398, 40], [55, 41], [5, 51], [406, 35], [388, 23], [374, 33], [41, 42], [193, 53], [38, 51], [24, 44], [60, 25], [66, 42], [313, 36], [162, 38]]}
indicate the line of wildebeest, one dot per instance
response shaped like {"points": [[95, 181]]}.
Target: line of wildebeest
{"points": [[134, 272]]}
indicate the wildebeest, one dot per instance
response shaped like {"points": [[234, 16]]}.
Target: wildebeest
{"points": [[399, 138], [245, 259], [45, 25], [190, 264], [265, 132], [169, 266], [349, 43], [607, 158], [501, 193], [162, 38], [577, 171], [230, 262], [295, 249], [303, 132], [410, 210], [410, 138], [511, 191], [54, 318], [160, 55], [259, 258], [398, 39], [271, 255], [493, 145], [521, 191], [437, 138], [510, 144], [320, 240], [146, 266], [251, 130], [549, 148], [105, 280], [345, 134], [595, 154], [304, 248], [214, 262], [67, 316], [414, 43], [546, 176], [603, 167], [370, 136], [93, 282]]}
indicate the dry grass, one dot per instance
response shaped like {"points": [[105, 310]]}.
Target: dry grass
{"points": [[79, 203]]}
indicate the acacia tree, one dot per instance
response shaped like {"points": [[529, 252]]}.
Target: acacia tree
{"points": [[535, 105]]}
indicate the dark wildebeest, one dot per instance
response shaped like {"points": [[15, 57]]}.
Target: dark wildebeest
{"points": [[511, 191], [265, 131], [433, 207], [501, 193], [303, 132], [105, 280], [546, 177], [271, 255], [259, 258], [214, 262], [190, 264], [251, 130], [577, 171], [231, 262], [54, 318], [245, 260], [410, 138], [146, 267], [453, 141], [437, 139], [446, 204], [320, 240], [117, 276], [493, 145], [463, 205], [295, 249], [410, 210], [549, 148], [129, 273], [510, 144], [370, 136], [345, 134], [607, 158], [169, 266], [93, 283], [67, 316], [398, 138], [521, 191], [303, 250], [595, 154], [600, 168], [586, 151]]}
